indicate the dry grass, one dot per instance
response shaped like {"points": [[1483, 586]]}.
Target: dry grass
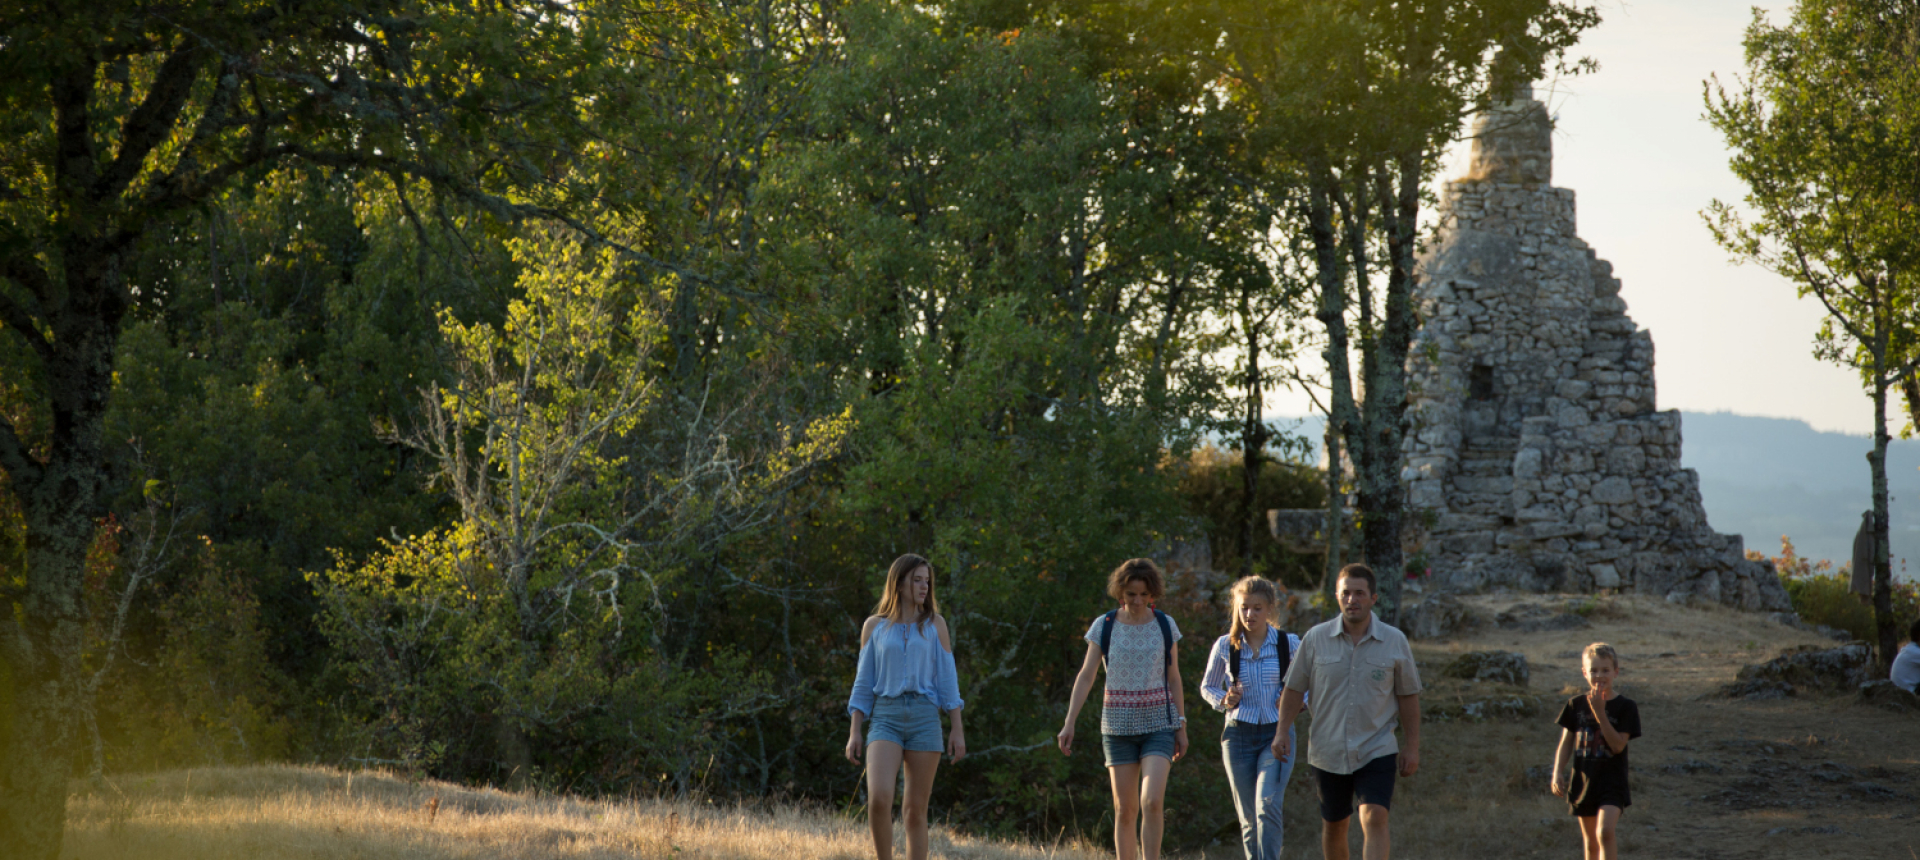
{"points": [[275, 812], [1473, 798]]}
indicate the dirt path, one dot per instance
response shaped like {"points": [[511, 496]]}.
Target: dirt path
{"points": [[1713, 777]]}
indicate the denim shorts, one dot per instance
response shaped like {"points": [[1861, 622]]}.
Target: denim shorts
{"points": [[909, 719], [1130, 749]]}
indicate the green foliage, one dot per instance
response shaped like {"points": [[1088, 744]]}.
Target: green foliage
{"points": [[1212, 480], [529, 635], [199, 687], [1823, 129], [813, 306], [1823, 594]]}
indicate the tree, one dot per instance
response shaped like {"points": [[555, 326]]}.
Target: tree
{"points": [[1823, 130], [1352, 107], [133, 114], [582, 500]]}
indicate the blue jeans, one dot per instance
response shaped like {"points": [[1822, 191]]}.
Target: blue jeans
{"points": [[1259, 784]]}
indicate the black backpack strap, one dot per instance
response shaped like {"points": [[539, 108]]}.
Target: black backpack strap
{"points": [[1285, 651], [1106, 634], [1166, 654], [1233, 659], [1166, 636]]}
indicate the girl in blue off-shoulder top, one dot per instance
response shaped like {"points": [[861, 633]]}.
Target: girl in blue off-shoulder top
{"points": [[906, 677]]}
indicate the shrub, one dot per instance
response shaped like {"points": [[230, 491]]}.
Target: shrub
{"points": [[1822, 595]]}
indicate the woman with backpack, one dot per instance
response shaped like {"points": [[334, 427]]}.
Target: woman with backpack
{"points": [[1143, 723], [1245, 672], [906, 678]]}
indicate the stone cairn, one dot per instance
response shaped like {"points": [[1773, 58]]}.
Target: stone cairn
{"points": [[1535, 455]]}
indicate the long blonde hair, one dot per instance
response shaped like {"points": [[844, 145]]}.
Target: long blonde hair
{"points": [[894, 602], [1251, 586]]}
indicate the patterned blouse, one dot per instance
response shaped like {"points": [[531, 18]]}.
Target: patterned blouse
{"points": [[1137, 701]]}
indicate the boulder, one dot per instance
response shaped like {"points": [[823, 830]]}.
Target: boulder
{"points": [[1505, 667], [1437, 617], [1883, 694], [1835, 670]]}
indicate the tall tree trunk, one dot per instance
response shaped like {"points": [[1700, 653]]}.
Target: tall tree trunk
{"points": [[1887, 631], [1253, 437], [1384, 363], [61, 498], [1336, 528], [1343, 418]]}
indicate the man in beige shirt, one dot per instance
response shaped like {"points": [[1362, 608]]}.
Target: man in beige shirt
{"points": [[1361, 674]]}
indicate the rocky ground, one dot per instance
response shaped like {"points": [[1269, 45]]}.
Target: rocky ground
{"points": [[1807, 774]]}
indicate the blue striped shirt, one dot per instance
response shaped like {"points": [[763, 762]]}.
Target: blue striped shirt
{"points": [[905, 658], [1259, 679]]}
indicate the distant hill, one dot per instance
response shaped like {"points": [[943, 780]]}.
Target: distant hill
{"points": [[1766, 477]]}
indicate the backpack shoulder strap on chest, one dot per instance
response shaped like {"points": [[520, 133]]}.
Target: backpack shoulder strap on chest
{"points": [[1166, 636], [1106, 633]]}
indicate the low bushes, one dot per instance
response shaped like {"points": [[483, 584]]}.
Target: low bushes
{"points": [[1821, 594]]}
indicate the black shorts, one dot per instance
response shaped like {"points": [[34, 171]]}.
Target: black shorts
{"points": [[1372, 783], [1589, 805]]}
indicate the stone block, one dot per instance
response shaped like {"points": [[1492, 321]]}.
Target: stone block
{"points": [[1476, 543], [1604, 575], [1547, 529], [1626, 460], [1482, 484], [1450, 523], [1572, 389], [1426, 494], [1527, 463], [1537, 513], [1613, 491]]}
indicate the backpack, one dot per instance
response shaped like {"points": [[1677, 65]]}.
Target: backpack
{"points": [[1280, 647], [1166, 635], [1166, 644]]}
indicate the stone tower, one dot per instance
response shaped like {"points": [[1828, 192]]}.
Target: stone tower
{"points": [[1535, 454]]}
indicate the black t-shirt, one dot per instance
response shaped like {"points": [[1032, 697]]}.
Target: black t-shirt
{"points": [[1599, 773]]}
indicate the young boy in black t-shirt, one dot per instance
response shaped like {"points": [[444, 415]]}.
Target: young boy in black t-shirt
{"points": [[1598, 791]]}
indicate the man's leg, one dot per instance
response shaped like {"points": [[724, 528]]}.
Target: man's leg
{"points": [[1126, 809], [1333, 838], [1373, 786], [1376, 839], [1336, 811]]}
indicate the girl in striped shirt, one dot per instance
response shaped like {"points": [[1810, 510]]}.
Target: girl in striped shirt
{"points": [[1252, 705]]}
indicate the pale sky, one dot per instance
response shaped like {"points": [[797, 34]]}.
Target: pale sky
{"points": [[1630, 141]]}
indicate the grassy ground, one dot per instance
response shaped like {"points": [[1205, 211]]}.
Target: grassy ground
{"points": [[284, 812], [1714, 778]]}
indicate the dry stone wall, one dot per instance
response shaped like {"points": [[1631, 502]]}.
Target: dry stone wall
{"points": [[1536, 455]]}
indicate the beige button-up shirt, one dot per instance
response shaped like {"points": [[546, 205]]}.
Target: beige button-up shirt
{"points": [[1355, 689]]}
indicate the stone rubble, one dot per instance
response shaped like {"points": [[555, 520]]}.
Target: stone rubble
{"points": [[1535, 454]]}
